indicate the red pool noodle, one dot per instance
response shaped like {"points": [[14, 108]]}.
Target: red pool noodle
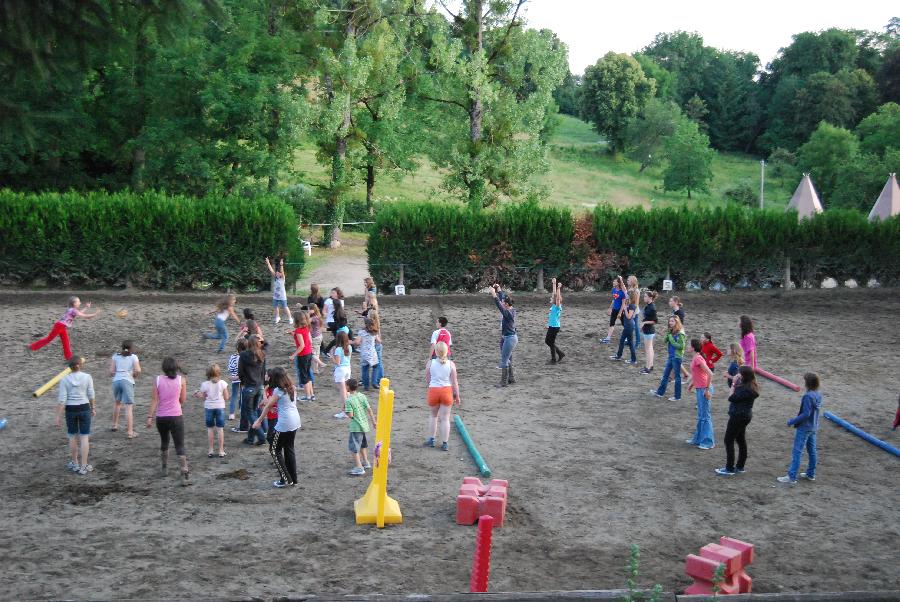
{"points": [[777, 379]]}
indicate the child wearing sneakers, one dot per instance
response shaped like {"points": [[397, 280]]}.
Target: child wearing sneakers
{"points": [[807, 423], [279, 293], [675, 346], [214, 393], [360, 413], [701, 382]]}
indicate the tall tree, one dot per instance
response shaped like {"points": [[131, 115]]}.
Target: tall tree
{"points": [[615, 90], [491, 82], [690, 159], [646, 134], [684, 55], [824, 155]]}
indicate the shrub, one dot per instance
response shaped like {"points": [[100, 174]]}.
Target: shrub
{"points": [[743, 193], [310, 208], [150, 239]]}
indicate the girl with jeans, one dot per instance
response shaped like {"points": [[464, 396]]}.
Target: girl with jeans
{"points": [[509, 339], [224, 310], [76, 399], [744, 392], [378, 370], [675, 346], [628, 314], [281, 446], [807, 424], [633, 285], [701, 382], [235, 396], [252, 373], [169, 394], [368, 357]]}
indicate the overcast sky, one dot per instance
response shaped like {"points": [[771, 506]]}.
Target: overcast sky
{"points": [[591, 28]]}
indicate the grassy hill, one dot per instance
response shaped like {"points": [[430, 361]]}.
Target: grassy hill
{"points": [[581, 175]]}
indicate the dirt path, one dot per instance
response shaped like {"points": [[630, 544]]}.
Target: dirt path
{"points": [[345, 267]]}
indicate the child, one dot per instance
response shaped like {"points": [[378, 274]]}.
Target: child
{"points": [[335, 299], [553, 322], [338, 324], [368, 358], [315, 336], [709, 351], [807, 423], [235, 396], [314, 298], [633, 285], [303, 355], [378, 371], [701, 382], [123, 367], [675, 346], [744, 392], [214, 393], [356, 407], [441, 334], [279, 294], [341, 361], [748, 341], [61, 327], [897, 416], [281, 446], [443, 390], [169, 395], [268, 415], [76, 399], [649, 330], [677, 308], [224, 310], [370, 294], [615, 307], [627, 315], [735, 361]]}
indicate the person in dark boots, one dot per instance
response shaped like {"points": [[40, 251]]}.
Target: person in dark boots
{"points": [[553, 322], [508, 337], [169, 394]]}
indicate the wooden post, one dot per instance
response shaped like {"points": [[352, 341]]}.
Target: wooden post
{"points": [[787, 274], [401, 274], [540, 279]]}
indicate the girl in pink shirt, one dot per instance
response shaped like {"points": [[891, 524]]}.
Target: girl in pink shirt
{"points": [[169, 393], [748, 341], [701, 382], [61, 327]]}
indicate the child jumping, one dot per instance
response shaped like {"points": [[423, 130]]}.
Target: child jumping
{"points": [[224, 310], [61, 327], [214, 393], [123, 367], [279, 294], [360, 413], [553, 322], [807, 423]]}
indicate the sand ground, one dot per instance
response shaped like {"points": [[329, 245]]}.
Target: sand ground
{"points": [[595, 463]]}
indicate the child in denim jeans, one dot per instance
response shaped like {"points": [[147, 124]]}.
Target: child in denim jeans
{"points": [[368, 357], [807, 423]]}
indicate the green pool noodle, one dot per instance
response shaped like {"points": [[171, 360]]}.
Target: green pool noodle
{"points": [[476, 456]]}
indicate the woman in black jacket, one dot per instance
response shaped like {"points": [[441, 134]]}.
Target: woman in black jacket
{"points": [[252, 374], [744, 392]]}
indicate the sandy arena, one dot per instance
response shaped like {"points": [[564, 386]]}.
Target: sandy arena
{"points": [[595, 463]]}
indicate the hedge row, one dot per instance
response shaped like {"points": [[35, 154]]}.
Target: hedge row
{"points": [[151, 240], [735, 243], [449, 247]]}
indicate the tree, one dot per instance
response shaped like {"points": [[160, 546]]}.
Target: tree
{"points": [[859, 181], [615, 90], [813, 52], [491, 83], [828, 150], [889, 76], [646, 134], [682, 54], [695, 110], [730, 93], [782, 164], [666, 81], [568, 95], [689, 157], [880, 131]]}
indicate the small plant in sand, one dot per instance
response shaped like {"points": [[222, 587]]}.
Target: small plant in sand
{"points": [[718, 579], [632, 570]]}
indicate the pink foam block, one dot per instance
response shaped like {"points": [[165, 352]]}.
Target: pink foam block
{"points": [[745, 548], [729, 557], [476, 499], [466, 510]]}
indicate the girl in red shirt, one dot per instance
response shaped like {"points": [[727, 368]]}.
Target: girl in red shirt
{"points": [[709, 351]]}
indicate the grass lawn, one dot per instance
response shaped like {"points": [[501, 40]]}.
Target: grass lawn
{"points": [[581, 175]]}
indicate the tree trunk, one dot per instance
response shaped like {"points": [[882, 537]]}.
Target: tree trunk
{"points": [[139, 154], [370, 188], [274, 114], [476, 114]]}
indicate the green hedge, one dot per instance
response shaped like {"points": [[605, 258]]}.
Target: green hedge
{"points": [[151, 240], [447, 246], [733, 243], [310, 208]]}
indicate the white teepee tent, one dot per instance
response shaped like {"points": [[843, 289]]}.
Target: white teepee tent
{"points": [[888, 202], [805, 200]]}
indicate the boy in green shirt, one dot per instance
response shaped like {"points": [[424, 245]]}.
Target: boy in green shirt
{"points": [[358, 411]]}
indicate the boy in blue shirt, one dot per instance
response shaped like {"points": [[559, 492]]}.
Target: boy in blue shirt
{"points": [[807, 423]]}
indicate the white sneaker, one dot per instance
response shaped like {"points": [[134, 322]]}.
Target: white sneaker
{"points": [[674, 399], [340, 415], [786, 479], [278, 319], [85, 469], [805, 476]]}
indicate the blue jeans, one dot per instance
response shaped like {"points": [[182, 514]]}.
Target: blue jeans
{"points": [[221, 333], [507, 345], [807, 439], [250, 397], [365, 370], [637, 329], [703, 435], [233, 400], [378, 371], [627, 335], [672, 364]]}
